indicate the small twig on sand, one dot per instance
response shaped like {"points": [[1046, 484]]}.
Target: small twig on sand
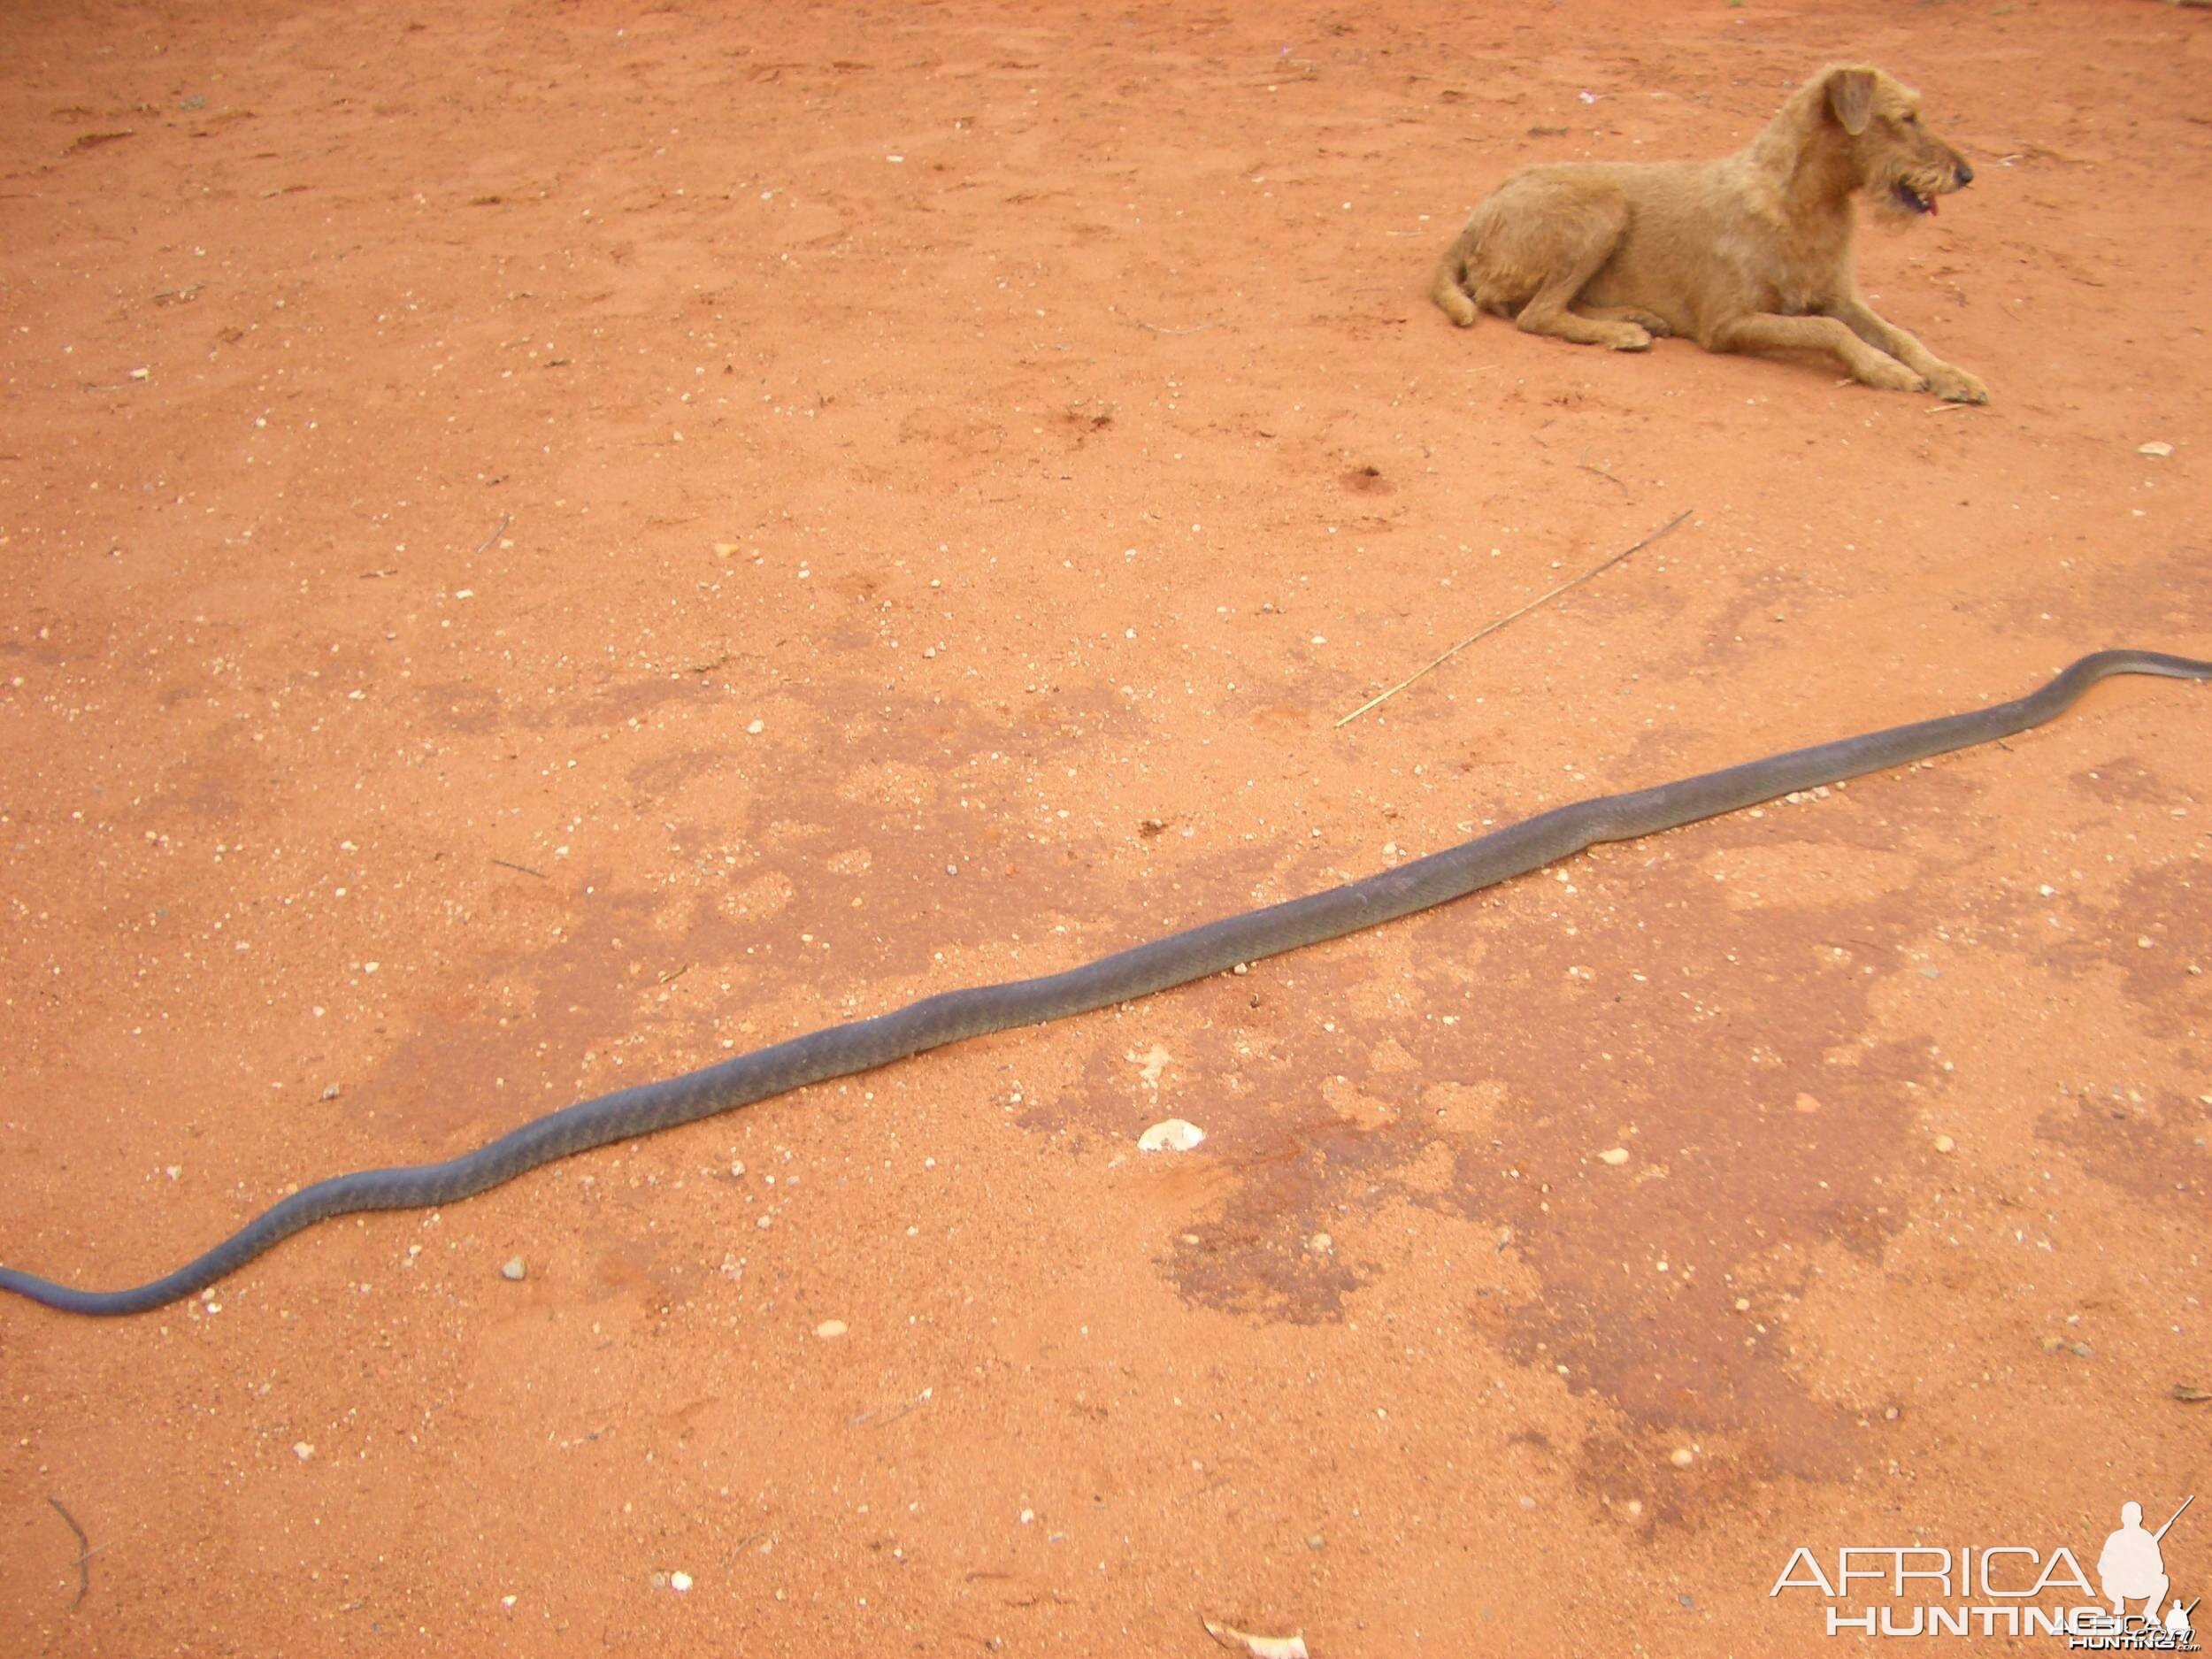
{"points": [[876, 1414], [505, 519], [85, 1552], [1603, 473], [670, 978], [1157, 329], [524, 869], [1490, 628]]}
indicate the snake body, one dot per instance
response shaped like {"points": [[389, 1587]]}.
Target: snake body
{"points": [[861, 1044]]}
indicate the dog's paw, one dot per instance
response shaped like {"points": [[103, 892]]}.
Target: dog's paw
{"points": [[1956, 385], [1657, 327], [1887, 374], [1628, 337]]}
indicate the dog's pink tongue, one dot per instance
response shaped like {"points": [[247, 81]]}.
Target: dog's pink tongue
{"points": [[1931, 207]]}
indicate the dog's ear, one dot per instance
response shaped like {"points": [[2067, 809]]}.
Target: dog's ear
{"points": [[1851, 95]]}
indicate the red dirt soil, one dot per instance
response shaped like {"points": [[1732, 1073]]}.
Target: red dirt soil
{"points": [[546, 543]]}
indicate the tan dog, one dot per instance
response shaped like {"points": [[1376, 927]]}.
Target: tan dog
{"points": [[1748, 253]]}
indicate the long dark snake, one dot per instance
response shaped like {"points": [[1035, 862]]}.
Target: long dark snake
{"points": [[861, 1044]]}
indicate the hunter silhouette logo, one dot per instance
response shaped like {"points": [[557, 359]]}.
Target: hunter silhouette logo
{"points": [[2006, 1589], [2132, 1567]]}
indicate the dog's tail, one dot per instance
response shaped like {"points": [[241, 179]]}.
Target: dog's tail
{"points": [[1448, 286]]}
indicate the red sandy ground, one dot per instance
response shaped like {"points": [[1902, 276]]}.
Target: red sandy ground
{"points": [[546, 542]]}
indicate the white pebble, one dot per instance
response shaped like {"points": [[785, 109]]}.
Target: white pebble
{"points": [[513, 1267], [1615, 1155], [1171, 1134], [831, 1328]]}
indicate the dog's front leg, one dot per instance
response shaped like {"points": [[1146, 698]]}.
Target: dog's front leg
{"points": [[1944, 380], [1769, 331]]}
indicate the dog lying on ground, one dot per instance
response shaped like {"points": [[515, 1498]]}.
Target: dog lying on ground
{"points": [[1748, 253]]}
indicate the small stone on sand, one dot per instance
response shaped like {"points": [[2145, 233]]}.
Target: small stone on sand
{"points": [[1172, 1134]]}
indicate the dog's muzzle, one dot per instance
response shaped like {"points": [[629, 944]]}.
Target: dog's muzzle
{"points": [[1918, 201]]}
